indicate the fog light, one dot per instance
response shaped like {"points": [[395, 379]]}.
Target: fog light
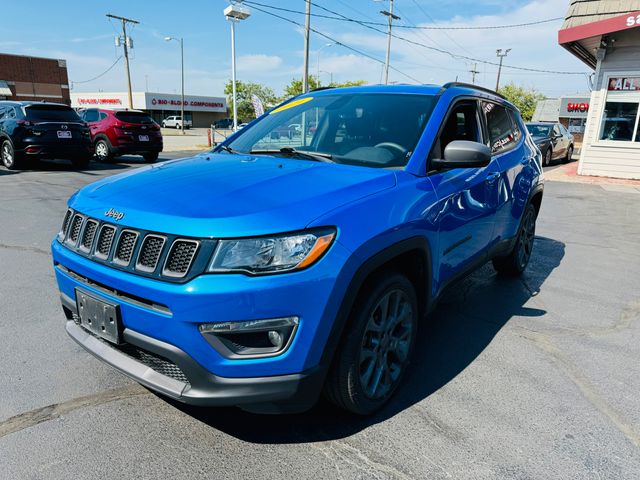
{"points": [[275, 338], [252, 338]]}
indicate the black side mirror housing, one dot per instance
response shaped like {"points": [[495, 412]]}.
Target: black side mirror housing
{"points": [[463, 154]]}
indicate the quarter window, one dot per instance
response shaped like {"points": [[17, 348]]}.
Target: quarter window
{"points": [[502, 133]]}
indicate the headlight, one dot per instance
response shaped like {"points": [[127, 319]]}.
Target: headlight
{"points": [[281, 253]]}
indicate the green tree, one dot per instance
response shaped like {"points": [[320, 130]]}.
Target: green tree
{"points": [[295, 86], [523, 98], [244, 91]]}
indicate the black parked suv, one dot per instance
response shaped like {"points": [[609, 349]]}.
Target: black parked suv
{"points": [[34, 130]]}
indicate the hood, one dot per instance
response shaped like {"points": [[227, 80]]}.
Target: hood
{"points": [[223, 195]]}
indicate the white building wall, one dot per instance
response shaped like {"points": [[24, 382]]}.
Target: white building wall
{"points": [[604, 157]]}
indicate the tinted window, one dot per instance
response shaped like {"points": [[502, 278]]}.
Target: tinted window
{"points": [[103, 116], [51, 113], [539, 130], [134, 117], [91, 116], [461, 124], [501, 130]]}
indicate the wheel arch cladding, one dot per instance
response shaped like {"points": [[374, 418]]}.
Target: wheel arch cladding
{"points": [[411, 257]]}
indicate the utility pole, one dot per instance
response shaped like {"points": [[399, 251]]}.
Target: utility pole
{"points": [[181, 41], [474, 71], [125, 44], [391, 17], [307, 27], [501, 56]]}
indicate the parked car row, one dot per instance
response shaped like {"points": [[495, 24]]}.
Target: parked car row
{"points": [[31, 131], [553, 140]]}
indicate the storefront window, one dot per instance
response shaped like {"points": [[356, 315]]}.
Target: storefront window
{"points": [[619, 121]]}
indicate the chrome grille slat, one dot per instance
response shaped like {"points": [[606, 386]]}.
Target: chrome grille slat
{"points": [[105, 240], [125, 247], [150, 253], [180, 257], [74, 229], [88, 235]]}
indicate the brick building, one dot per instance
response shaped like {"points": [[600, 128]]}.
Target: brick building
{"points": [[33, 78]]}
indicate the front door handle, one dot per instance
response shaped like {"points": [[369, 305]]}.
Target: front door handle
{"points": [[492, 177]]}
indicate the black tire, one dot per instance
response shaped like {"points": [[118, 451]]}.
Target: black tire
{"points": [[150, 157], [368, 350], [546, 158], [569, 154], [9, 158], [80, 162], [103, 150], [517, 260]]}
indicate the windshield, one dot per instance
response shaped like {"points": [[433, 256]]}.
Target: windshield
{"points": [[133, 117], [51, 113], [370, 129], [539, 130]]}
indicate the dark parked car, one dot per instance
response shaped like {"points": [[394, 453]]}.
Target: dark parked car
{"points": [[120, 132], [224, 123], [34, 130], [553, 140]]}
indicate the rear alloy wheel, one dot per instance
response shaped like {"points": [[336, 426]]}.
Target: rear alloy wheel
{"points": [[8, 155], [374, 354], [547, 158], [515, 262], [567, 159], [103, 151], [150, 157]]}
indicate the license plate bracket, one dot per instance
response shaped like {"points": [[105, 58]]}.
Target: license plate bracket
{"points": [[64, 134], [99, 316], [143, 138]]}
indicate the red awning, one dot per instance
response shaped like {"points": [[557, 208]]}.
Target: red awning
{"points": [[601, 27]]}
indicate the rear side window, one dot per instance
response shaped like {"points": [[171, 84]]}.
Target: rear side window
{"points": [[134, 117], [51, 113], [502, 133], [91, 116]]}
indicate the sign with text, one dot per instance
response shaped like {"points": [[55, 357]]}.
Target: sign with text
{"points": [[624, 84], [574, 107]]}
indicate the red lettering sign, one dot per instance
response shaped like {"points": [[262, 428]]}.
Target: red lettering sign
{"points": [[577, 107]]}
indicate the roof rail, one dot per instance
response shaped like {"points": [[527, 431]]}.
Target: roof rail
{"points": [[469, 85]]}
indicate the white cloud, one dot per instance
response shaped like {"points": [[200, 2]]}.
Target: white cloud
{"points": [[258, 63]]}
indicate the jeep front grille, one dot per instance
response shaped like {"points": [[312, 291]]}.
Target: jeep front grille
{"points": [[180, 257], [150, 252], [105, 239], [126, 244], [144, 253], [89, 234]]}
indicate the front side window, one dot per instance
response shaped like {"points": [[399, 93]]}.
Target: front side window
{"points": [[368, 129], [619, 121], [502, 136]]}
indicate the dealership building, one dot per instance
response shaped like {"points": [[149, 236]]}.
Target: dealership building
{"points": [[201, 110], [33, 78], [605, 35]]}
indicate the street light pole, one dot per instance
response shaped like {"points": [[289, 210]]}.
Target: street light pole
{"points": [[501, 56], [234, 13], [307, 27], [168, 39], [320, 50], [391, 17]]}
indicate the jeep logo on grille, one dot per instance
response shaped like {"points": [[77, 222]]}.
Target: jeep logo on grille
{"points": [[114, 214]]}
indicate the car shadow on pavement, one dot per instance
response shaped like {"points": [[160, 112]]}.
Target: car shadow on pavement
{"points": [[94, 168], [469, 315]]}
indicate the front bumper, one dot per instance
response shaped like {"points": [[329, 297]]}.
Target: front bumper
{"points": [[168, 370], [163, 318]]}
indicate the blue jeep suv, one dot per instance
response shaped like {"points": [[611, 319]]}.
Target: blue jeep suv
{"points": [[275, 268]]}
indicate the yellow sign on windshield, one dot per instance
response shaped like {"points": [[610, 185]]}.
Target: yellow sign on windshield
{"points": [[292, 104]]}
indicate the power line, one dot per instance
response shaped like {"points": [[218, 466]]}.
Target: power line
{"points": [[410, 27], [451, 54], [337, 42], [102, 74]]}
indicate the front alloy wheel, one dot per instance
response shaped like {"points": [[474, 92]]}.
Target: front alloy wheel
{"points": [[375, 350], [547, 158]]}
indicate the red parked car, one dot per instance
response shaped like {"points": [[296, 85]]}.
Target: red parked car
{"points": [[121, 132]]}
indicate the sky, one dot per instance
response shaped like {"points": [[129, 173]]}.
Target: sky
{"points": [[270, 50]]}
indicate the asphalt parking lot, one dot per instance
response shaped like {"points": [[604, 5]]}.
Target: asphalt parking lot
{"points": [[512, 379]]}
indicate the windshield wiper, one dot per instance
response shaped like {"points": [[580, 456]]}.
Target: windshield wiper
{"points": [[292, 152], [228, 149]]}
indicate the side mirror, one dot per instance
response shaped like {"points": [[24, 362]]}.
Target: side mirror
{"points": [[463, 154]]}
